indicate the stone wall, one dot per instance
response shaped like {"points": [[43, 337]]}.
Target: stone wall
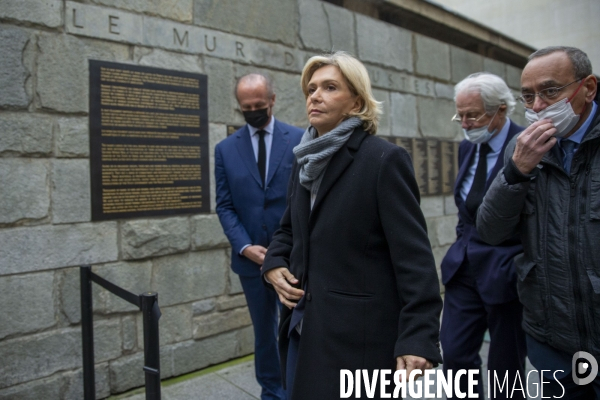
{"points": [[45, 214]]}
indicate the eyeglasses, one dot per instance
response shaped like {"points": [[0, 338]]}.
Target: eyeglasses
{"points": [[548, 93], [470, 121]]}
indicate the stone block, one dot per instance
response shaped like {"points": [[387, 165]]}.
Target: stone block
{"points": [[290, 106], [432, 58], [207, 232], [71, 194], [24, 134], [387, 79], [203, 306], [341, 28], [189, 277], [63, 77], [432, 206], [221, 87], [36, 356], [104, 23], [393, 47], [158, 58], [235, 286], [127, 372], [135, 277], [179, 10], [229, 302], [216, 133], [314, 26], [384, 128], [270, 20], [513, 77], [129, 327], [245, 338], [446, 229], [166, 361], [464, 63], [74, 384], [50, 388], [434, 118], [403, 113], [44, 12], [27, 302], [193, 355], [175, 324], [108, 342], [72, 138], [13, 71], [219, 322], [494, 67], [154, 237], [450, 205], [57, 246], [444, 91], [25, 193]]}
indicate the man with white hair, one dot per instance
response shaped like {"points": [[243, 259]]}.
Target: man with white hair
{"points": [[480, 279]]}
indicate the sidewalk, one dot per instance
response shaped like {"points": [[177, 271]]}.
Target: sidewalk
{"points": [[235, 380]]}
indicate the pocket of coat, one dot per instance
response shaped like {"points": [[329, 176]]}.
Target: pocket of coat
{"points": [[351, 295], [595, 198], [531, 292]]}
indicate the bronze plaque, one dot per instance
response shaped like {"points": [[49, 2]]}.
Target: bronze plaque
{"points": [[148, 141], [435, 163], [231, 129]]}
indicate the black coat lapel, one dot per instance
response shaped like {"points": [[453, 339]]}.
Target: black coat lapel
{"points": [[338, 164]]}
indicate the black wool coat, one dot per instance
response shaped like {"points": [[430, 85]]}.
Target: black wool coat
{"points": [[364, 258]]}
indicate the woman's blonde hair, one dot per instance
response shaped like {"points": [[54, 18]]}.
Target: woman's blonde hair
{"points": [[358, 80]]}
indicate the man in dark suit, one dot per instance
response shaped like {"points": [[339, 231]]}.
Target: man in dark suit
{"points": [[252, 169], [480, 279]]}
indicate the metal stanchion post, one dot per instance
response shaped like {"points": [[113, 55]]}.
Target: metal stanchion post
{"points": [[151, 314], [87, 333]]}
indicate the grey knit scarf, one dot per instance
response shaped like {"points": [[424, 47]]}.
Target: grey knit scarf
{"points": [[313, 153]]}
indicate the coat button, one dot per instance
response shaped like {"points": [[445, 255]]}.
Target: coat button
{"points": [[308, 297]]}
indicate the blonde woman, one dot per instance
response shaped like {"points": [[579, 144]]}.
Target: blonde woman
{"points": [[352, 261]]}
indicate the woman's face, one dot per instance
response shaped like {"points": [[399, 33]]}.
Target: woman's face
{"points": [[329, 99]]}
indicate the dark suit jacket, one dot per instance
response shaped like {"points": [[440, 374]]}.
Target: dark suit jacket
{"points": [[248, 213], [363, 256], [496, 276]]}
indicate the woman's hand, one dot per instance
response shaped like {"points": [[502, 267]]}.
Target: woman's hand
{"points": [[281, 278], [410, 363]]}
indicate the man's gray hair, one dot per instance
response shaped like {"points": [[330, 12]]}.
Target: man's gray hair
{"points": [[493, 91], [256, 77], [582, 67]]}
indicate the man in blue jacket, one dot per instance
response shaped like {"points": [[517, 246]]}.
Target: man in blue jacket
{"points": [[480, 279], [252, 169]]}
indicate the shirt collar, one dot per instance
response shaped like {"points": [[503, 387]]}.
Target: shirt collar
{"points": [[579, 134], [497, 141], [269, 128]]}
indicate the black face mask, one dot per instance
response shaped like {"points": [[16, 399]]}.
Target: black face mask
{"points": [[257, 118]]}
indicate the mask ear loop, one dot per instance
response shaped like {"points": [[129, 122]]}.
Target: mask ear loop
{"points": [[574, 94]]}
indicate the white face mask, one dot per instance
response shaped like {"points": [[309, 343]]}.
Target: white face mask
{"points": [[561, 113], [479, 135]]}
